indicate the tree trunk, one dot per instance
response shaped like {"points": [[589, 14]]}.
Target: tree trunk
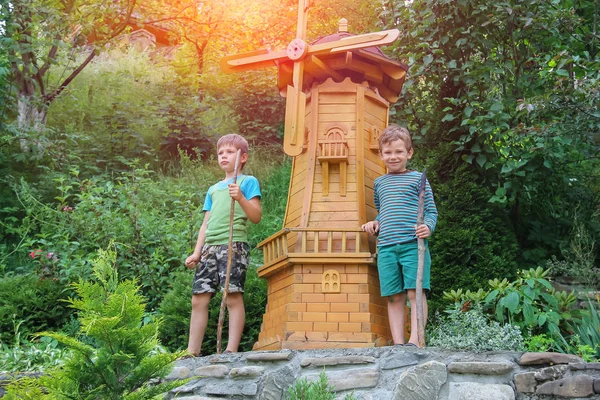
{"points": [[31, 118]]}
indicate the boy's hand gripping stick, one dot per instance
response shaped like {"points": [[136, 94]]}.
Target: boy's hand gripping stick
{"points": [[229, 257], [420, 265]]}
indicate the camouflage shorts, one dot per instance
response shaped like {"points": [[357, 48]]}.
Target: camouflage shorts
{"points": [[212, 268]]}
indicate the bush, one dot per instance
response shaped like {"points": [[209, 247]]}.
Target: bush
{"points": [[473, 241], [29, 304], [472, 331], [32, 356], [529, 302]]}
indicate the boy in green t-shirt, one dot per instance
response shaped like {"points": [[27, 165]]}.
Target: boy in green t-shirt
{"points": [[210, 254]]}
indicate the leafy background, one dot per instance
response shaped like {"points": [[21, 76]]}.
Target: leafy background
{"points": [[502, 100]]}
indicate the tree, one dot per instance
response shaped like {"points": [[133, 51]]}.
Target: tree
{"points": [[42, 34], [512, 86]]}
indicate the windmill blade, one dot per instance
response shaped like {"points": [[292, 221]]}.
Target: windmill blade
{"points": [[251, 60], [355, 42]]}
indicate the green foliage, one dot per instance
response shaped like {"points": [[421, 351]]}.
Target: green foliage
{"points": [[540, 343], [36, 356], [29, 304], [472, 241], [580, 257], [585, 337], [303, 389], [175, 311], [529, 302], [473, 331], [513, 88], [118, 357], [151, 221]]}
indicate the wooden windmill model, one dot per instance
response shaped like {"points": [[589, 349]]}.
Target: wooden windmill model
{"points": [[323, 287]]}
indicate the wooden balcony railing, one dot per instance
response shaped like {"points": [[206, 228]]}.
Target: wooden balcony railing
{"points": [[315, 243]]}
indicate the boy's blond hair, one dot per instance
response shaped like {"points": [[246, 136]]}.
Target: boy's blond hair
{"points": [[235, 140], [394, 132]]}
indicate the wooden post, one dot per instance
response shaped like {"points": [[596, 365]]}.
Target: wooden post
{"points": [[229, 257], [420, 265]]}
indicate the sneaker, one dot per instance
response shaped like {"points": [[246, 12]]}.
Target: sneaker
{"points": [[188, 356]]}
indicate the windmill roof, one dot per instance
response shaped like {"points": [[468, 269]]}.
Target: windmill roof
{"points": [[367, 64]]}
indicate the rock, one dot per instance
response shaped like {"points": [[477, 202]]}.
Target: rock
{"points": [[395, 360], [189, 387], [585, 366], [479, 391], [573, 386], [551, 373], [232, 389], [597, 386], [275, 356], [548, 358], [480, 368], [179, 373], [213, 371], [195, 398], [343, 360], [277, 382], [525, 382], [350, 379], [245, 372], [422, 382]]}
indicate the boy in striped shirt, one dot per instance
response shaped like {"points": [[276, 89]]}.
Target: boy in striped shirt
{"points": [[397, 200]]}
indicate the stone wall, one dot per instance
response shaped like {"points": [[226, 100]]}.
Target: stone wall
{"points": [[396, 372]]}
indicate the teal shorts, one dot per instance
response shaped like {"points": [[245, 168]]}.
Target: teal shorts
{"points": [[397, 265]]}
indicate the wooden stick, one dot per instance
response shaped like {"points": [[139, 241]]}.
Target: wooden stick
{"points": [[420, 265], [229, 258]]}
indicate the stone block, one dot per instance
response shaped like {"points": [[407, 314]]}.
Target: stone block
{"points": [[422, 382], [212, 371], [574, 386], [179, 373], [188, 388], [232, 389], [548, 358], [480, 368], [585, 367], [277, 382], [551, 373], [350, 379], [342, 360], [597, 386], [525, 382], [479, 391], [394, 360], [270, 357], [246, 372]]}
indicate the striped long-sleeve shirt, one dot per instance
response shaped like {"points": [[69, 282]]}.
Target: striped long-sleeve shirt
{"points": [[397, 203]]}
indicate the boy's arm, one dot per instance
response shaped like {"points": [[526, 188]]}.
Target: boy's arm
{"points": [[191, 261], [371, 227], [252, 208]]}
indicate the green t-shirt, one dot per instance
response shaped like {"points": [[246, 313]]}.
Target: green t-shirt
{"points": [[218, 202]]}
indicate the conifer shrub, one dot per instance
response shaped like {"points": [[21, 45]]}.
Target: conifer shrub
{"points": [[115, 355]]}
